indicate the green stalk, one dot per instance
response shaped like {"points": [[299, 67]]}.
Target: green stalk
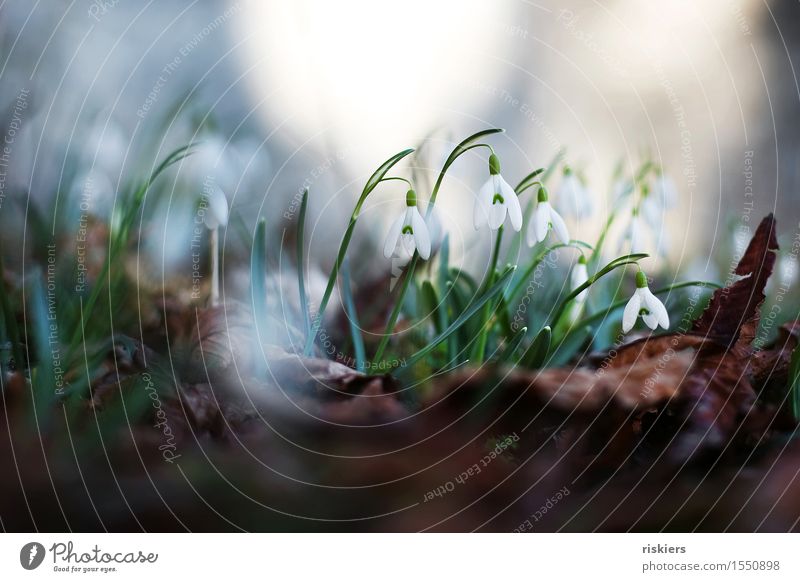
{"points": [[371, 184], [117, 240], [479, 349], [539, 258], [461, 319], [618, 262], [352, 318], [461, 148], [301, 263]]}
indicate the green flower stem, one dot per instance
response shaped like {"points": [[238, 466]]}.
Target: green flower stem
{"points": [[371, 184], [301, 263], [539, 258], [493, 291], [461, 148], [631, 259], [479, 348], [118, 239]]}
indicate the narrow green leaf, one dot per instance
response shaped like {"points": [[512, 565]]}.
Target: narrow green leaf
{"points": [[258, 279], [513, 345], [461, 319], [373, 181], [301, 264], [536, 355], [352, 318], [794, 384]]}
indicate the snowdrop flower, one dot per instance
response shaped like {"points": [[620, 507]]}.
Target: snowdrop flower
{"points": [[647, 305], [544, 218], [496, 199], [578, 277], [665, 191], [633, 236], [436, 230], [410, 231], [573, 196], [216, 211], [215, 215]]}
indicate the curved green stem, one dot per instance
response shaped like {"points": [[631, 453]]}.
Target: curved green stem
{"points": [[539, 258], [371, 184], [630, 259], [480, 345], [301, 263], [461, 148]]}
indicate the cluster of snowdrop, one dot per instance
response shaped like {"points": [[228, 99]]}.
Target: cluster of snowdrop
{"points": [[649, 199], [496, 202]]}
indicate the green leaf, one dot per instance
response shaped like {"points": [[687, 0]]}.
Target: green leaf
{"points": [[616, 263], [378, 175], [373, 181], [537, 352], [301, 264], [794, 384], [258, 282], [513, 345], [463, 318], [352, 318]]}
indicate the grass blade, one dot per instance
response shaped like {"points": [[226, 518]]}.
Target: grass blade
{"points": [[301, 264], [463, 318], [536, 355], [352, 318], [258, 278], [794, 384]]}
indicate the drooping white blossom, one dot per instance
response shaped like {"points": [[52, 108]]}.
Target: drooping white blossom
{"points": [[545, 218], [409, 231], [644, 303], [495, 200]]}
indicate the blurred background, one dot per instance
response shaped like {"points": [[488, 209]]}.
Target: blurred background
{"points": [[288, 95]]}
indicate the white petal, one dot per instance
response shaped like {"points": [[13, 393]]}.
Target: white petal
{"points": [[559, 227], [656, 307], [408, 243], [483, 202], [667, 191], [579, 277], [631, 312], [421, 236], [217, 211], [650, 319], [391, 238], [435, 229], [497, 209], [541, 219], [512, 202]]}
